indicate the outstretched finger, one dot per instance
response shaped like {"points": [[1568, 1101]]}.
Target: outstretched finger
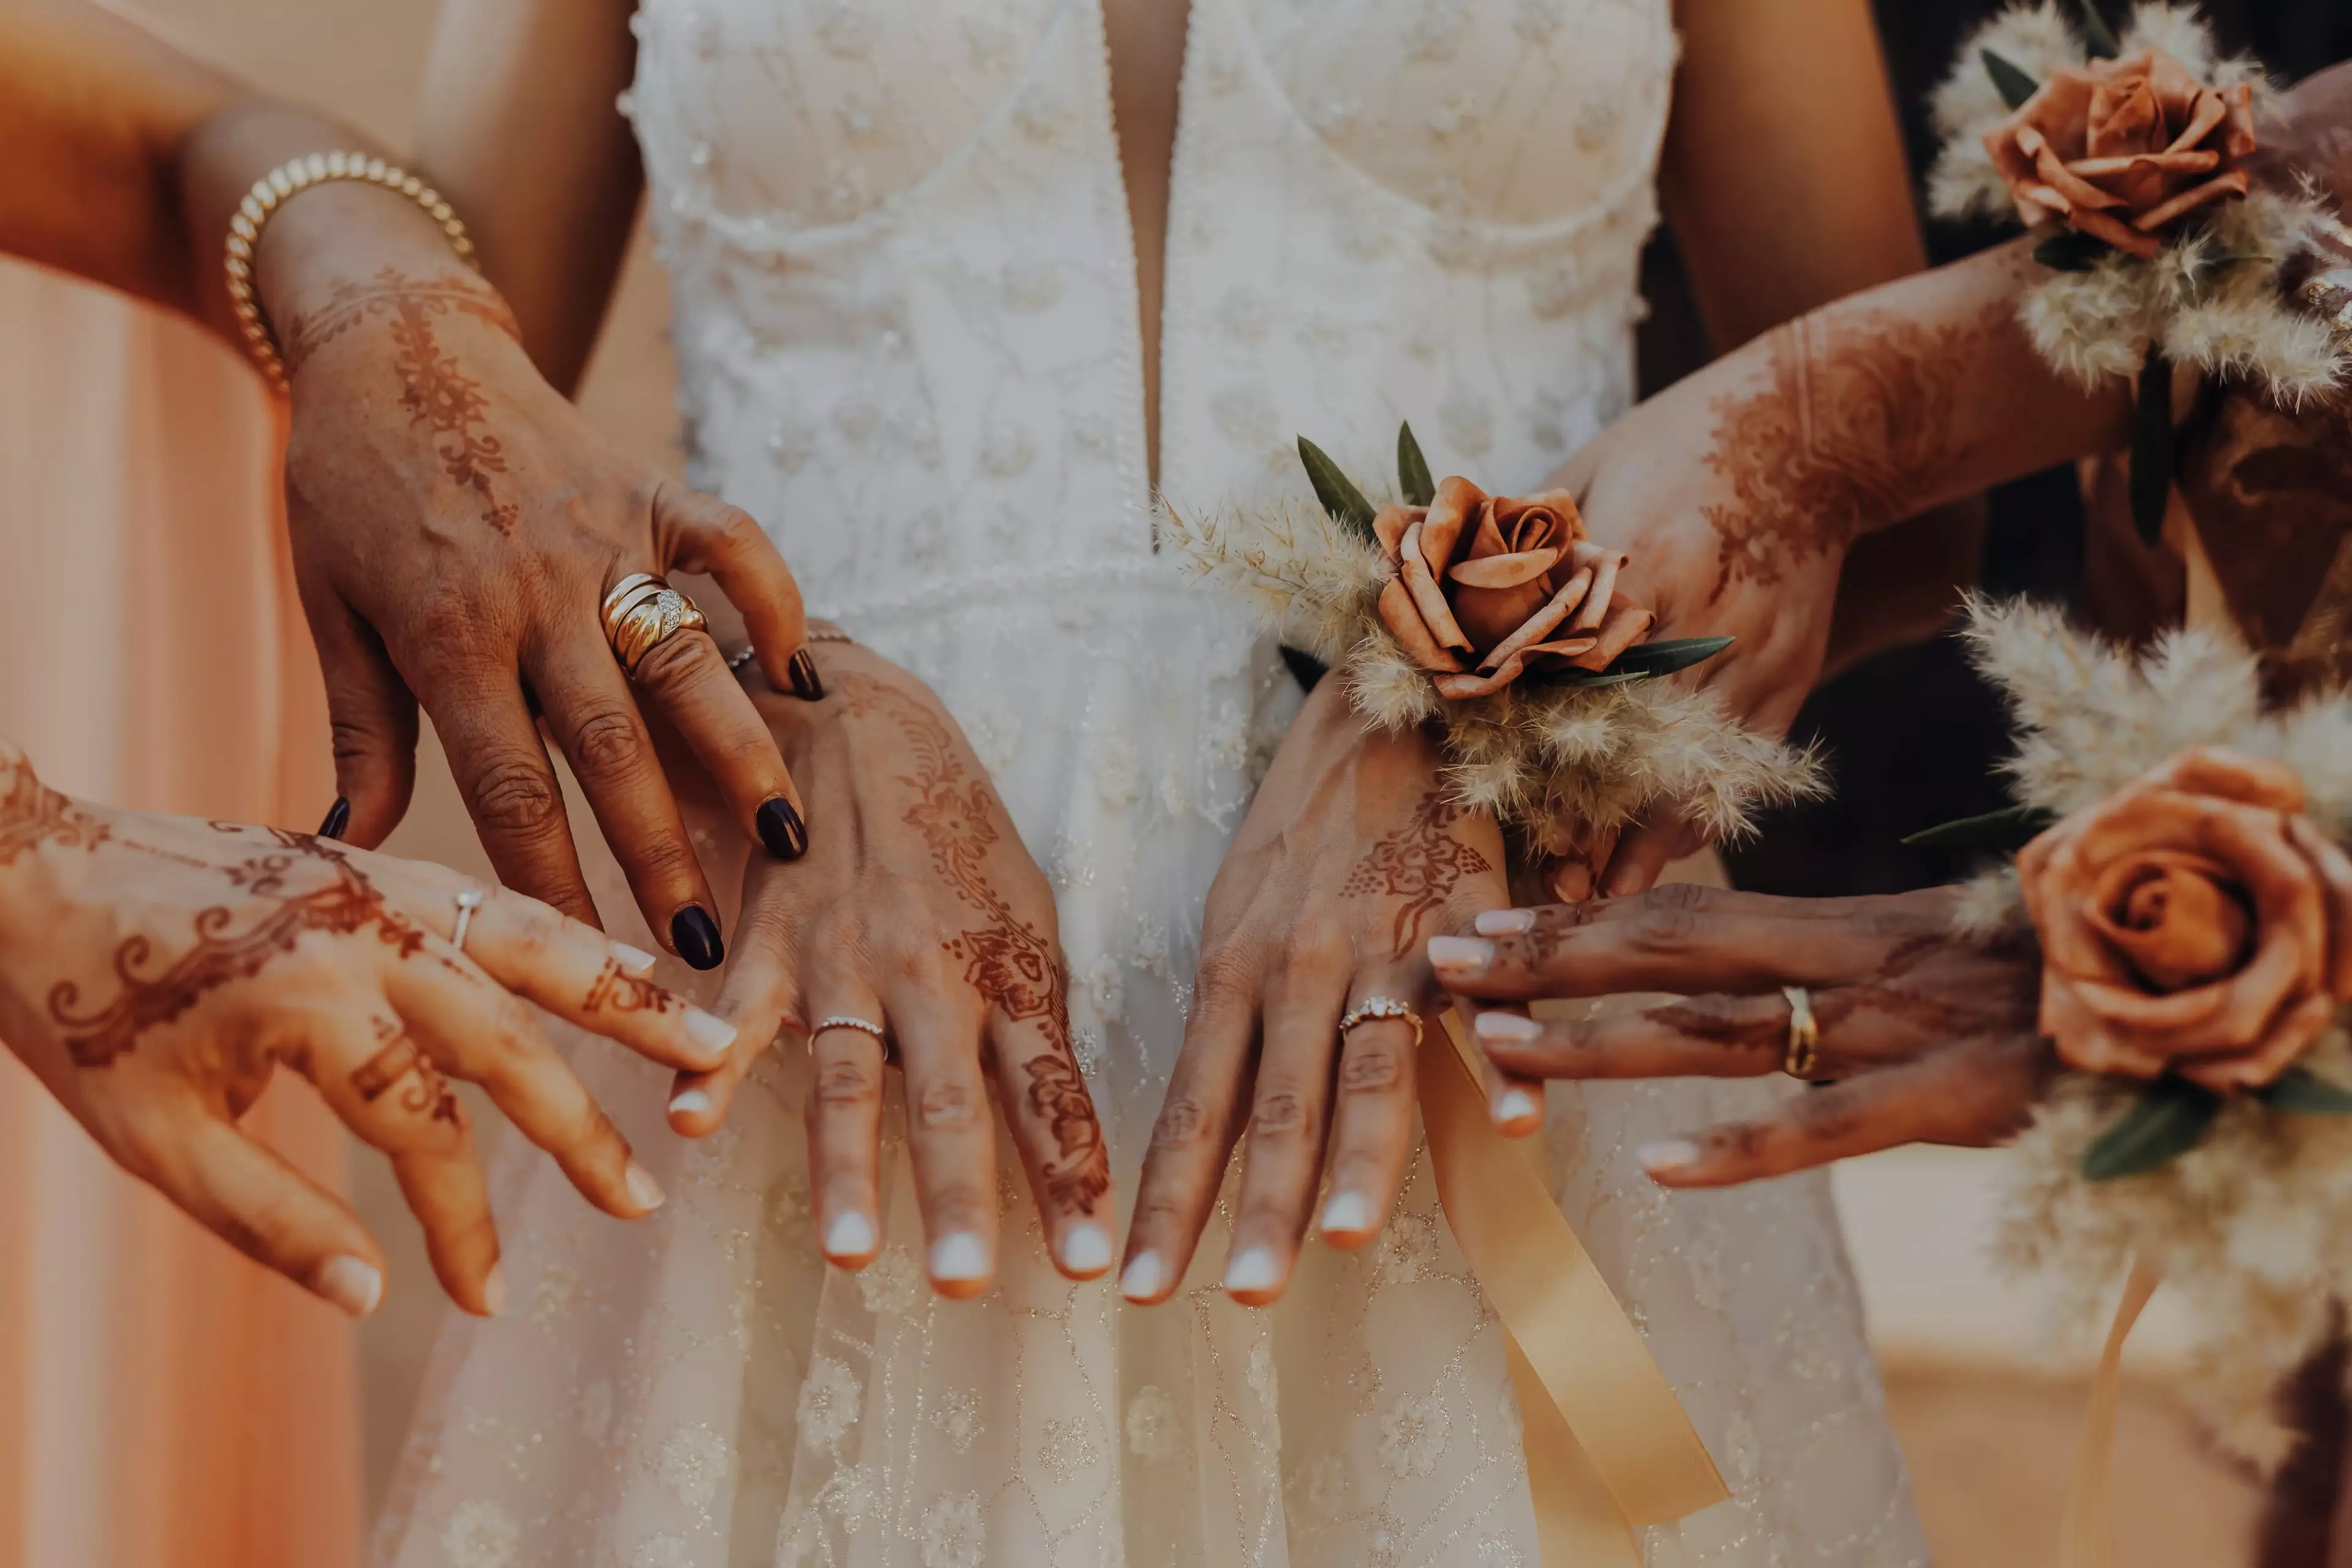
{"points": [[1059, 1138], [1644, 852], [760, 999], [1699, 1036], [950, 1131], [845, 1121], [1975, 1095], [689, 678], [696, 532], [1290, 1114], [475, 1029], [250, 1196], [1681, 937], [1371, 1116], [371, 715], [1200, 1117]]}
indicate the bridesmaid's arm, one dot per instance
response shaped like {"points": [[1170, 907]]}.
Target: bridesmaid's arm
{"points": [[521, 132]]}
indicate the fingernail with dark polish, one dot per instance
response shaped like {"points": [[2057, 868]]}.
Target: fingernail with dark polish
{"points": [[696, 936], [338, 818], [781, 829], [806, 684]]}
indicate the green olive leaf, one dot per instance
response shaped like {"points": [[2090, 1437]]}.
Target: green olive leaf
{"points": [[1413, 470], [2299, 1091], [2015, 85], [1338, 493], [2071, 250], [2099, 40], [2166, 1121], [2011, 827]]}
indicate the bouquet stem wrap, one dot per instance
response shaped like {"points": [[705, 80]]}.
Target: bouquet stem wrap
{"points": [[1608, 1446]]}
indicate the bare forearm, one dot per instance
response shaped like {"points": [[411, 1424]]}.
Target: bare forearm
{"points": [[522, 134]]}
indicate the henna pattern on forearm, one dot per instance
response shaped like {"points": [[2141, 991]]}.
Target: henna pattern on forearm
{"points": [[399, 1059], [1420, 863], [1006, 960], [1854, 428], [348, 903], [31, 814], [435, 390]]}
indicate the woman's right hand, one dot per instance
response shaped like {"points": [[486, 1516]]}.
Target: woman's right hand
{"points": [[921, 913], [457, 524], [155, 970]]}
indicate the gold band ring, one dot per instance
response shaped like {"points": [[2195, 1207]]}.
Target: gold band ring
{"points": [[1373, 1007], [1804, 1053], [641, 613]]}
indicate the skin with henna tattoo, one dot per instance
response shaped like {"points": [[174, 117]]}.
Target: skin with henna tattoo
{"points": [[32, 814], [1421, 863], [1841, 441]]}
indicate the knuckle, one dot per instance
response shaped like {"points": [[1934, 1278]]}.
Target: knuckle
{"points": [[847, 1082], [734, 531], [672, 666], [959, 1203], [1281, 1112], [514, 795], [1225, 976], [1184, 1123], [1668, 916], [1372, 1068], [1314, 952], [946, 1103], [608, 738]]}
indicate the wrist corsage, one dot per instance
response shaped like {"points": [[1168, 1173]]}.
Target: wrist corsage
{"points": [[1497, 620], [2183, 868], [2127, 153]]}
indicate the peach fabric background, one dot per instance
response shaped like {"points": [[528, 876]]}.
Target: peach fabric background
{"points": [[162, 1401]]}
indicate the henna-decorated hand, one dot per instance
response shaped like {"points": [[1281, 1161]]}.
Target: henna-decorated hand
{"points": [[1349, 858], [456, 525], [1925, 1035], [155, 970], [920, 913]]}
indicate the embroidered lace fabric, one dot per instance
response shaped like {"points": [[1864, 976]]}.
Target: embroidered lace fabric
{"points": [[907, 337]]}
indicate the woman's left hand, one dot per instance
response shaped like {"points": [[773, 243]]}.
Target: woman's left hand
{"points": [[1351, 856], [1924, 1035]]}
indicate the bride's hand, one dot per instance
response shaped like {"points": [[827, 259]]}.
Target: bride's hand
{"points": [[1349, 857], [455, 526], [1924, 1036], [920, 913], [155, 970]]}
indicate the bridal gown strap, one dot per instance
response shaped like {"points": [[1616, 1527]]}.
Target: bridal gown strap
{"points": [[908, 340]]}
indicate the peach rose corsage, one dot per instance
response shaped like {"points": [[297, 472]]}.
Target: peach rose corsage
{"points": [[2193, 922]]}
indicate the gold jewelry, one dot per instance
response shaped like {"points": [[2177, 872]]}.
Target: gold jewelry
{"points": [[643, 612], [468, 903], [1804, 1049], [271, 191], [1373, 1007]]}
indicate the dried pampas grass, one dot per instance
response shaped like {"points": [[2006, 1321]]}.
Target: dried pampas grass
{"points": [[2250, 1227]]}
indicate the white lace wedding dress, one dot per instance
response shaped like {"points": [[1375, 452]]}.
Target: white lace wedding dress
{"points": [[907, 335]]}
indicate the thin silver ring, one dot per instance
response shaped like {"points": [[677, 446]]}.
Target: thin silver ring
{"points": [[468, 903], [845, 1021], [1373, 1007]]}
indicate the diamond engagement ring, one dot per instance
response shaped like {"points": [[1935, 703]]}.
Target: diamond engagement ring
{"points": [[1373, 1007]]}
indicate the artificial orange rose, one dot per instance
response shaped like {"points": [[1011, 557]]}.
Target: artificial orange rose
{"points": [[2193, 921], [2121, 148], [1487, 587]]}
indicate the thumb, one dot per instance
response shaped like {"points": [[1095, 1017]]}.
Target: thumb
{"points": [[372, 716]]}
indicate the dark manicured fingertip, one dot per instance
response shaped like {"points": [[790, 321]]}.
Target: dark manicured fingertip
{"points": [[781, 829], [339, 819], [696, 936], [807, 684]]}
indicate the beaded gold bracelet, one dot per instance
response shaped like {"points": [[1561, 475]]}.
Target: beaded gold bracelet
{"points": [[271, 191]]}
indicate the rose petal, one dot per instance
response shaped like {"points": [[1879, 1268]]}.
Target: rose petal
{"points": [[2333, 869], [2233, 774], [1540, 624], [2207, 110], [2230, 184], [2124, 115], [1567, 648], [2173, 917], [1413, 570], [2120, 235], [1604, 568], [1460, 688], [1503, 571], [1389, 524], [1441, 529], [2076, 195], [1402, 616], [1627, 623], [2237, 130], [2291, 1034], [2083, 1040], [2056, 884], [1526, 524], [2190, 162]]}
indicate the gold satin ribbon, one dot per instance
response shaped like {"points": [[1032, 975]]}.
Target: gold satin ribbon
{"points": [[2086, 1533], [1608, 1446]]}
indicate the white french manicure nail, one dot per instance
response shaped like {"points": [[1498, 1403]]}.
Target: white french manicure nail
{"points": [[1670, 1154], [1348, 1212], [1516, 1105], [689, 1102], [709, 1030], [1460, 956], [851, 1235], [633, 960], [1250, 1270], [494, 1291], [959, 1255], [644, 1191], [1086, 1249], [1511, 1028], [1504, 922], [1141, 1280], [351, 1283]]}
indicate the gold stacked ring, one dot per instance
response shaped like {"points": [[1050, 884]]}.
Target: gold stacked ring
{"points": [[641, 613]]}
